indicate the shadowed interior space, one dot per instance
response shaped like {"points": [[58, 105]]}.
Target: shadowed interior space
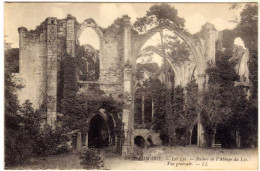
{"points": [[194, 135], [139, 141], [98, 133]]}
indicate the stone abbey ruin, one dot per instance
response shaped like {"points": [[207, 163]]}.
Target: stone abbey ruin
{"points": [[112, 68]]}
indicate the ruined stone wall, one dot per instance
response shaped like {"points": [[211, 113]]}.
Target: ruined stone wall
{"points": [[51, 92], [111, 72], [42, 51], [38, 67], [33, 59], [111, 64], [61, 52], [61, 39]]}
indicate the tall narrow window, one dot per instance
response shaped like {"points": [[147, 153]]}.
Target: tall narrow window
{"points": [[88, 55]]}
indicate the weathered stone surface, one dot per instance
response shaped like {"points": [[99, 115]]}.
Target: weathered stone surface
{"points": [[51, 71], [240, 59], [79, 141], [42, 50], [33, 59]]}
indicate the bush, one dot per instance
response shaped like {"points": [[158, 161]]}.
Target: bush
{"points": [[17, 147], [91, 159], [24, 139], [20, 130], [136, 154], [50, 142]]}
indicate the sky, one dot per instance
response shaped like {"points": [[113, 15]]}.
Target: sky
{"points": [[30, 15]]}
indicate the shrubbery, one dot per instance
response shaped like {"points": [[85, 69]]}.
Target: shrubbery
{"points": [[51, 142], [91, 159], [24, 138]]}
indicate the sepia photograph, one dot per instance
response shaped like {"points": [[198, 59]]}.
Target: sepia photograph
{"points": [[130, 86]]}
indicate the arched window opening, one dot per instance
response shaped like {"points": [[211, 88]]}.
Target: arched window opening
{"points": [[239, 42], [143, 109], [89, 36], [88, 54]]}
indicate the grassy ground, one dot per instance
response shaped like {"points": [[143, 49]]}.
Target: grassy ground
{"points": [[190, 157]]}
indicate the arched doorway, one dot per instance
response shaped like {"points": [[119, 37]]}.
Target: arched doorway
{"points": [[194, 135], [98, 135], [139, 141]]}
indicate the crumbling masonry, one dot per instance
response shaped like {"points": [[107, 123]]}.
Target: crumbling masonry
{"points": [[42, 50]]}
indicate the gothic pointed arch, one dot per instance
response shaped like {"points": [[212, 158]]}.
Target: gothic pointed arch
{"points": [[173, 67], [194, 45], [92, 24]]}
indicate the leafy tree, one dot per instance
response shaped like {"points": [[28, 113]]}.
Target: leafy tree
{"points": [[11, 106], [247, 29], [23, 136], [11, 101], [191, 107], [178, 123], [162, 16], [159, 121], [176, 50], [218, 98], [225, 105]]}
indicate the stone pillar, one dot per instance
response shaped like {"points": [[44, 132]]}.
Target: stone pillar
{"points": [[79, 141], [86, 142], [210, 43], [210, 47], [142, 108], [115, 140], [22, 33], [127, 111], [185, 98], [109, 140], [209, 35], [52, 70], [201, 86], [127, 117], [70, 37], [127, 41], [152, 109]]}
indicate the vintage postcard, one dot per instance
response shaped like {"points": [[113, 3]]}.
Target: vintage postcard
{"points": [[131, 86]]}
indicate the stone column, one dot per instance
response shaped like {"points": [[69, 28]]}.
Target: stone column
{"points": [[22, 40], [127, 41], [210, 43], [201, 86], [127, 117], [70, 35], [127, 112], [79, 141], [115, 140], [52, 71], [86, 142], [152, 109], [142, 108], [210, 49], [185, 98], [209, 34]]}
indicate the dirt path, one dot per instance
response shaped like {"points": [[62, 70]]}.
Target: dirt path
{"points": [[190, 157]]}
